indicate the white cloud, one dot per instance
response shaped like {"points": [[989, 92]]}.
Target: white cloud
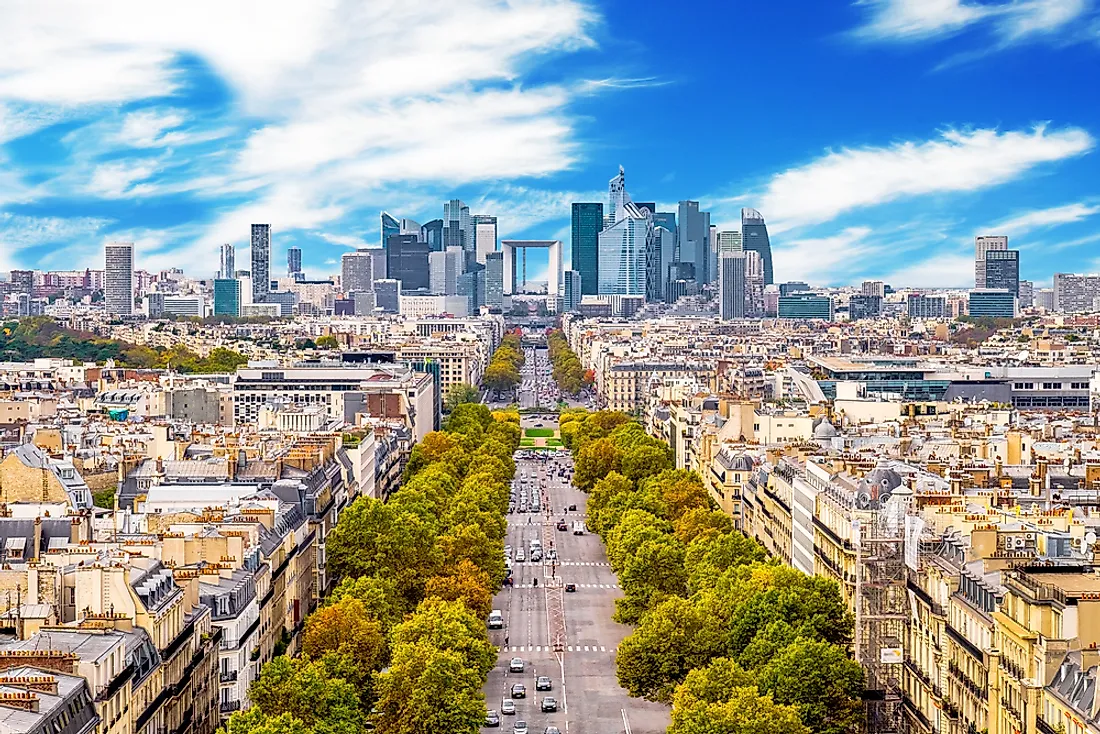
{"points": [[340, 99], [823, 260], [1069, 244], [957, 161], [1012, 21], [117, 179], [942, 270], [355, 243], [18, 232], [1040, 218], [147, 128]]}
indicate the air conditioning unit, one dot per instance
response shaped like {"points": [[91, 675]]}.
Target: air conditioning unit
{"points": [[1019, 543], [1030, 536]]}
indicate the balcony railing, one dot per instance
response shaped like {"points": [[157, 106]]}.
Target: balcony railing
{"points": [[228, 707], [228, 676]]}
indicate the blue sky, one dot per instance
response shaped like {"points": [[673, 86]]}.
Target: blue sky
{"points": [[877, 137]]}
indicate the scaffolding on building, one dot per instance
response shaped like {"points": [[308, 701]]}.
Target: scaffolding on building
{"points": [[882, 611]]}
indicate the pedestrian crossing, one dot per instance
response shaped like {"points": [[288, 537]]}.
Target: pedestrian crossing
{"points": [[549, 648], [583, 563], [579, 586]]}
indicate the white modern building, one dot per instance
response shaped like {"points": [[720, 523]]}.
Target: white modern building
{"points": [[553, 270]]}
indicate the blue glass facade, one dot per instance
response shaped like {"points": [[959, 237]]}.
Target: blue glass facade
{"points": [[390, 227], [754, 237], [227, 297], [585, 244]]}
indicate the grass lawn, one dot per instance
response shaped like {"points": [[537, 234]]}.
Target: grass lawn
{"points": [[553, 442], [539, 432], [527, 442]]}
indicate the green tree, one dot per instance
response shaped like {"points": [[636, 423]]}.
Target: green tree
{"points": [[328, 341], [469, 542], [379, 597], [428, 689], [595, 461], [650, 575], [345, 630], [450, 626], [716, 681], [302, 688], [254, 721], [700, 522], [645, 460], [459, 394], [672, 640], [746, 712], [709, 555], [821, 682], [466, 583]]}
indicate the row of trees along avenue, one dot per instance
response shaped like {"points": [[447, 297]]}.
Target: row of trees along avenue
{"points": [[502, 374], [736, 642], [568, 373], [401, 642]]}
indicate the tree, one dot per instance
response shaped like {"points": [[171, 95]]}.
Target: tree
{"points": [[672, 640], [821, 682], [430, 449], [428, 689], [460, 393], [345, 630], [709, 555], [466, 583], [301, 688], [645, 460], [715, 682], [450, 626], [379, 597], [595, 461], [746, 712], [328, 341], [468, 414], [254, 721], [602, 494], [651, 574], [700, 522], [470, 542]]}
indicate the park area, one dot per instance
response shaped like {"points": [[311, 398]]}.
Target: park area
{"points": [[539, 432]]}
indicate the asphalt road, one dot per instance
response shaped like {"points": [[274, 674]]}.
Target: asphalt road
{"points": [[569, 637]]}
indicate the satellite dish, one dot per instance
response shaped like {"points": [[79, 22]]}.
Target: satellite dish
{"points": [[1090, 538]]}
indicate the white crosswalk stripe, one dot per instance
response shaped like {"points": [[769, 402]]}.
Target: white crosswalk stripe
{"points": [[603, 649]]}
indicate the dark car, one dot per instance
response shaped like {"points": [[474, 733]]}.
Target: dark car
{"points": [[562, 525], [572, 508], [570, 587], [542, 683], [519, 691], [549, 704], [492, 718]]}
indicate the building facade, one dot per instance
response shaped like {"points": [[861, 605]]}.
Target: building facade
{"points": [[587, 223], [118, 279], [261, 261]]}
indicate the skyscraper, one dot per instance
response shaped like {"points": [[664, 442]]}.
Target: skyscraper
{"points": [[407, 261], [228, 261], [294, 262], [693, 240], [983, 245], [485, 236], [664, 241], [584, 246], [754, 237], [622, 254], [731, 285], [227, 297], [390, 227], [456, 225], [729, 242], [357, 271], [432, 233], [571, 300], [1002, 270], [616, 196], [261, 261], [118, 278], [444, 269], [494, 280]]}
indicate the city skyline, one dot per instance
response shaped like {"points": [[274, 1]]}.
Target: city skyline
{"points": [[919, 135]]}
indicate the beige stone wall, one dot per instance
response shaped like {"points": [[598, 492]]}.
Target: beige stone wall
{"points": [[21, 483]]}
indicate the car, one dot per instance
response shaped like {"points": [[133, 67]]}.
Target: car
{"points": [[536, 556], [570, 587], [551, 730], [519, 691], [552, 554], [549, 704], [515, 665], [508, 707], [521, 557], [562, 525], [572, 508], [492, 718], [542, 683], [520, 727]]}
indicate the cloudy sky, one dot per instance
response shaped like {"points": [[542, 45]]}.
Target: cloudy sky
{"points": [[877, 137]]}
